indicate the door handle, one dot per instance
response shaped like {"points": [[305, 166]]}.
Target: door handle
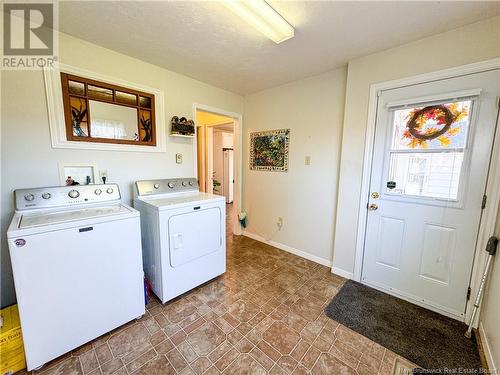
{"points": [[178, 241], [373, 207]]}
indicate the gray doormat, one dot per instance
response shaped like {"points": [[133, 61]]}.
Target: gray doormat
{"points": [[428, 339]]}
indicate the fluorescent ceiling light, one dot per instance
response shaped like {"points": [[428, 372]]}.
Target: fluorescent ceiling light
{"points": [[261, 16]]}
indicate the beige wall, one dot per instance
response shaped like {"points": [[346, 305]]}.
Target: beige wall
{"points": [[304, 196], [29, 160], [472, 43]]}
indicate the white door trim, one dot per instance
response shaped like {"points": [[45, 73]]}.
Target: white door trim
{"points": [[237, 154], [488, 218]]}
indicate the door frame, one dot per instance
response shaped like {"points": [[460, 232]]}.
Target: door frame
{"points": [[488, 217], [237, 155]]}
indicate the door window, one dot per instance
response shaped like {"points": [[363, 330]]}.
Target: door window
{"points": [[427, 149]]}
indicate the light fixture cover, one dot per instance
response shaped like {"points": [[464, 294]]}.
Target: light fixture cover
{"points": [[262, 17]]}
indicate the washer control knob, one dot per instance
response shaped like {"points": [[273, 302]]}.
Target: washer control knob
{"points": [[74, 194], [184, 183], [171, 185], [109, 190], [97, 191], [46, 195], [190, 183], [29, 197], [156, 186]]}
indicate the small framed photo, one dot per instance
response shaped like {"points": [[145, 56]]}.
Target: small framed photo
{"points": [[77, 173], [269, 150]]}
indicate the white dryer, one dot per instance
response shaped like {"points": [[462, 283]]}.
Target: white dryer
{"points": [[183, 235], [77, 265]]}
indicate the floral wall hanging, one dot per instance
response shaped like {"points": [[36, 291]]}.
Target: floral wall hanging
{"points": [[438, 124], [269, 150]]}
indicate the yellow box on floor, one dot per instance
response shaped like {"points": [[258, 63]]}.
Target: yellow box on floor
{"points": [[12, 357]]}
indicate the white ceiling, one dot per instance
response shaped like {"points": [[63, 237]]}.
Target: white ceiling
{"points": [[204, 40]]}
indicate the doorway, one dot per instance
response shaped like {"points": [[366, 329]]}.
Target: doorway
{"points": [[218, 141], [429, 167]]}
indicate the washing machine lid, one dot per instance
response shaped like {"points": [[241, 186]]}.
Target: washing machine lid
{"points": [[38, 219], [173, 193]]}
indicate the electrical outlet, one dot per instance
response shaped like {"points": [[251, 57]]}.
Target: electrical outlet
{"points": [[279, 222], [103, 174], [307, 160], [178, 158]]}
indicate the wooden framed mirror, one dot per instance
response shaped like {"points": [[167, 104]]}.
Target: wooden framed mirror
{"points": [[96, 111]]}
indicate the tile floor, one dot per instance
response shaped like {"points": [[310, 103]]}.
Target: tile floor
{"points": [[263, 316]]}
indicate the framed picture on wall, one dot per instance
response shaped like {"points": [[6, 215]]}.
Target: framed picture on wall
{"points": [[269, 150]]}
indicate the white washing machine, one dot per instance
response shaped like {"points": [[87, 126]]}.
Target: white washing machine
{"points": [[183, 235], [77, 265]]}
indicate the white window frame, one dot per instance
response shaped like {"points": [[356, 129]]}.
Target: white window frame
{"points": [[473, 96], [57, 123]]}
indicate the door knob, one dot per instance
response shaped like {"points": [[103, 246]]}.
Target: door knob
{"points": [[373, 207]]}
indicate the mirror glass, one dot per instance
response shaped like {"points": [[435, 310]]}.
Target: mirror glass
{"points": [[77, 175], [113, 121], [102, 112]]}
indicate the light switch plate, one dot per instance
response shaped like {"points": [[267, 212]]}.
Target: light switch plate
{"points": [[178, 158]]}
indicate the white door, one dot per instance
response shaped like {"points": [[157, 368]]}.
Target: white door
{"points": [[228, 175], [427, 183]]}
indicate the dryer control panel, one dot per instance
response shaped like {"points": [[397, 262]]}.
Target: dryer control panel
{"points": [[58, 196], [170, 185]]}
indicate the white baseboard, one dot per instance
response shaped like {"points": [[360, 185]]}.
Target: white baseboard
{"points": [[342, 273], [487, 350], [289, 249]]}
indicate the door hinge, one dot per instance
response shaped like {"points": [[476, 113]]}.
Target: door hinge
{"points": [[483, 204], [469, 291]]}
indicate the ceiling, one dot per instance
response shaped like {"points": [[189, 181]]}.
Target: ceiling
{"points": [[212, 119], [228, 128], [204, 40]]}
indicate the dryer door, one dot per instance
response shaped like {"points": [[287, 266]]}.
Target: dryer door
{"points": [[194, 234]]}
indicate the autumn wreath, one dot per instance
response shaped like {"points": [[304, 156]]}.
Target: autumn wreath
{"points": [[439, 115]]}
